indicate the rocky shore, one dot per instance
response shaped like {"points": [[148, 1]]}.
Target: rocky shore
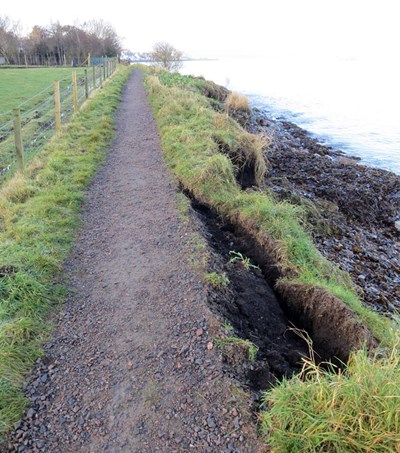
{"points": [[351, 209]]}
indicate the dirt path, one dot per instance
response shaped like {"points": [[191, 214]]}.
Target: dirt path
{"points": [[128, 368]]}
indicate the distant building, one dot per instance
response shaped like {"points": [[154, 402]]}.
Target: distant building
{"points": [[128, 55], [2, 60]]}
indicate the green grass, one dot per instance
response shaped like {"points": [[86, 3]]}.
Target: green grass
{"points": [[357, 410], [219, 280], [246, 348], [244, 261], [39, 215], [31, 90], [306, 413], [18, 85]]}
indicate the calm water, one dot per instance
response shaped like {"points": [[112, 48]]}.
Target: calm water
{"points": [[353, 104]]}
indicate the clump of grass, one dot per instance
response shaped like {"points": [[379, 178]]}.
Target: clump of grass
{"points": [[244, 149], [17, 190], [151, 394], [183, 207], [238, 257], [39, 214], [355, 410], [228, 326], [219, 280], [249, 149], [236, 102], [198, 253], [236, 348]]}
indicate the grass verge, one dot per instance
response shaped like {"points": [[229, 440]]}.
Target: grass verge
{"points": [[39, 215], [357, 410], [198, 141]]}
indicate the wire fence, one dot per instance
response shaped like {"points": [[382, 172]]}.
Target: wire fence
{"points": [[33, 122]]}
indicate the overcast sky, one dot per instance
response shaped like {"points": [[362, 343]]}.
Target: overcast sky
{"points": [[217, 27]]}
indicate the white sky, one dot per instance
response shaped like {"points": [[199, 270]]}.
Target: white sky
{"points": [[218, 27]]}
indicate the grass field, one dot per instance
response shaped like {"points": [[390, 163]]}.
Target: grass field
{"points": [[32, 91], [18, 85]]}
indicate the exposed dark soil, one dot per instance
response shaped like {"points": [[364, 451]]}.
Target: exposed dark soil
{"points": [[351, 208], [132, 365], [326, 320], [252, 308]]}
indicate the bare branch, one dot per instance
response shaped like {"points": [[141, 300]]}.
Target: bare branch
{"points": [[167, 57]]}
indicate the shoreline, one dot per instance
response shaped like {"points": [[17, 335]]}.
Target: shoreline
{"points": [[352, 208]]}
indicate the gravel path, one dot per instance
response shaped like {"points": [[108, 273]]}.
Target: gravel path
{"points": [[131, 367]]}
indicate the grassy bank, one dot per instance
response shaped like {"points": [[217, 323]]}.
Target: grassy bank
{"points": [[207, 151], [39, 215]]}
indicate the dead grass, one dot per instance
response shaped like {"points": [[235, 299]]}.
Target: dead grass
{"points": [[236, 102], [245, 150], [17, 190]]}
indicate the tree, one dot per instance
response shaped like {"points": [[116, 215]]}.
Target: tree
{"points": [[103, 38], [166, 56], [8, 40], [57, 44]]}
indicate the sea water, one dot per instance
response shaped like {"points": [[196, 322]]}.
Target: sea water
{"points": [[352, 104]]}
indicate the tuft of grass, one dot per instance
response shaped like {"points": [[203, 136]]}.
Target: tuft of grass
{"points": [[355, 410], [238, 257], [243, 148], [236, 102], [235, 346], [17, 190], [183, 207], [219, 280], [228, 326], [198, 254], [39, 215], [151, 394]]}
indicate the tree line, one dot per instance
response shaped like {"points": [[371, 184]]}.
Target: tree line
{"points": [[57, 44]]}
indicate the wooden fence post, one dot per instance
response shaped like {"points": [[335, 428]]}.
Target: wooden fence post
{"points": [[89, 59], [86, 85], [19, 148], [75, 91], [94, 77], [101, 75], [104, 69], [57, 106]]}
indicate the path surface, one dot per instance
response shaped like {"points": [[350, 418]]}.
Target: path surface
{"points": [[128, 368]]}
